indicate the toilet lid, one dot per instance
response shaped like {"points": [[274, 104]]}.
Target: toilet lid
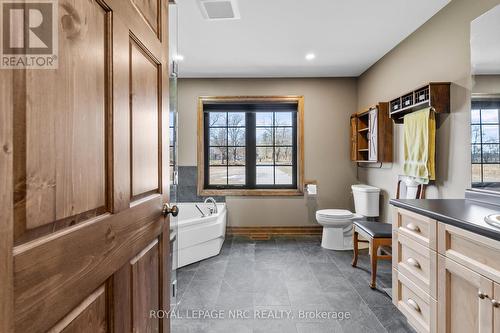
{"points": [[334, 214]]}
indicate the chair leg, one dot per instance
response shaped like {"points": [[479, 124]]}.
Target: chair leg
{"points": [[373, 260], [355, 248]]}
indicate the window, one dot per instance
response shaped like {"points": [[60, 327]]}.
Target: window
{"points": [[250, 145], [485, 140]]}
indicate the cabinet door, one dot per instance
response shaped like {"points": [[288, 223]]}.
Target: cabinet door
{"points": [[464, 299], [354, 134], [373, 135]]}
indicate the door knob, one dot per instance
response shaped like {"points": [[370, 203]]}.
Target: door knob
{"points": [[168, 209], [482, 295], [495, 303]]}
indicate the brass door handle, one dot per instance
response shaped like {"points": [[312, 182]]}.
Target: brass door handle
{"points": [[482, 295], [413, 304], [413, 227], [413, 262], [167, 210]]}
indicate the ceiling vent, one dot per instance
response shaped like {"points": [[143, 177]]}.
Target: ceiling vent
{"points": [[220, 9]]}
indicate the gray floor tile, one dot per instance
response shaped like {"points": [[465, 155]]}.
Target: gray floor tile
{"points": [[189, 326], [231, 326], [274, 326], [392, 319], [362, 320], [232, 298], [305, 293], [316, 254], [325, 327], [293, 274]]}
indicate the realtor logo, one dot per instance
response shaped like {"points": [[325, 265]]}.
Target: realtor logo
{"points": [[29, 34]]}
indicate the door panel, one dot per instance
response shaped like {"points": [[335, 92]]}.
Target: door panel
{"points": [[90, 316], [71, 263], [60, 140], [144, 105], [76, 255], [149, 10], [145, 288], [460, 308]]}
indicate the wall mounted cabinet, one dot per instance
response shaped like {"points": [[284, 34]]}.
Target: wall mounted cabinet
{"points": [[371, 135], [434, 94]]}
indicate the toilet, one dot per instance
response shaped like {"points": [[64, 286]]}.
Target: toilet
{"points": [[337, 223]]}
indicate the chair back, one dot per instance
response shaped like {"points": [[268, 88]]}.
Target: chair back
{"points": [[409, 192]]}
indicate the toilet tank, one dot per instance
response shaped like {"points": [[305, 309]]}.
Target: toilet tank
{"points": [[366, 200]]}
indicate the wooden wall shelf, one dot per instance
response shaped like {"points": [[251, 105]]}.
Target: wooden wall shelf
{"points": [[371, 135], [434, 94]]}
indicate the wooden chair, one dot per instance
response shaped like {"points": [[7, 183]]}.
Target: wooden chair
{"points": [[378, 235]]}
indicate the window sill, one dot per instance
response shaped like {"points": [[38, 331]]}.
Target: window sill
{"points": [[256, 192]]}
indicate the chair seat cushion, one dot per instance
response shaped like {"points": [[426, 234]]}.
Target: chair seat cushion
{"points": [[375, 229]]}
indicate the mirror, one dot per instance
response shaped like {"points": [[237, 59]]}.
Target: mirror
{"points": [[485, 101]]}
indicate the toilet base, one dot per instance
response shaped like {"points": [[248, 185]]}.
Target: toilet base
{"points": [[339, 239]]}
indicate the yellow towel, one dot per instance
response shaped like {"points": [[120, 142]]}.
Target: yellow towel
{"points": [[420, 145]]}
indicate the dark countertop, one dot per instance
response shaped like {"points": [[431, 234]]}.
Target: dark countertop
{"points": [[462, 213]]}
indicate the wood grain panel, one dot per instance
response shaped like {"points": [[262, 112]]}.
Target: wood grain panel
{"points": [[62, 171], [145, 127], [149, 10], [121, 298], [145, 288], [72, 263], [88, 317], [460, 308], [6, 200], [121, 118]]}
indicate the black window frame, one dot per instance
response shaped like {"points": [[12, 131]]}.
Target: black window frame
{"points": [[482, 104], [250, 109]]}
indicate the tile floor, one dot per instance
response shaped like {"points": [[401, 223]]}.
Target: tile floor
{"points": [[284, 278]]}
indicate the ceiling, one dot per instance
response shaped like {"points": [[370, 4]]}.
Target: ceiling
{"points": [[272, 37], [485, 43]]}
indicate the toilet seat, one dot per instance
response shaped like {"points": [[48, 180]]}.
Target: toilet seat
{"points": [[334, 214]]}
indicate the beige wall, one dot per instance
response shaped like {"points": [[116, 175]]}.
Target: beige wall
{"points": [[438, 51], [328, 105], [486, 84]]}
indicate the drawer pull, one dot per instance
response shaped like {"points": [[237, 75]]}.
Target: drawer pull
{"points": [[413, 227], [413, 262], [495, 303], [413, 304], [482, 295]]}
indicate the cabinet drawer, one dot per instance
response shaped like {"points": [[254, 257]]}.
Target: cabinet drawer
{"points": [[419, 307], [417, 227], [478, 253], [417, 262]]}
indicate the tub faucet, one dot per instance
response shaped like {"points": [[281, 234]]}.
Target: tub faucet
{"points": [[214, 209]]}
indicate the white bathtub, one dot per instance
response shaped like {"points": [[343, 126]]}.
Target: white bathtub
{"points": [[198, 237]]}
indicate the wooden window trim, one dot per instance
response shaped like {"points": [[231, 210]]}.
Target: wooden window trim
{"points": [[299, 191]]}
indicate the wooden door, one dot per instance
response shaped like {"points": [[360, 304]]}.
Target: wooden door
{"points": [[464, 299], [496, 308], [84, 174]]}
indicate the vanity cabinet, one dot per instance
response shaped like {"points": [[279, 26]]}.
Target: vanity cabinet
{"points": [[445, 279], [464, 299], [371, 135]]}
